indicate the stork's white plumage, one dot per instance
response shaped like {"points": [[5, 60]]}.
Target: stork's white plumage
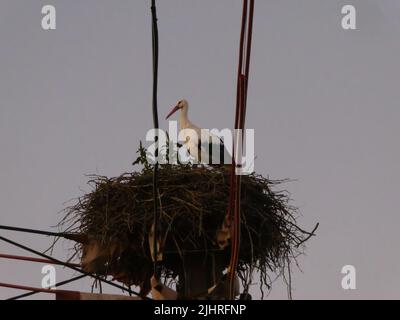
{"points": [[199, 143]]}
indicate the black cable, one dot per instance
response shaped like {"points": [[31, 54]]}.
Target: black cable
{"points": [[70, 236], [59, 284], [155, 62], [156, 127], [68, 266], [17, 229]]}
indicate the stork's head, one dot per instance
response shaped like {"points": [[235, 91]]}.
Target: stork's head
{"points": [[181, 105]]}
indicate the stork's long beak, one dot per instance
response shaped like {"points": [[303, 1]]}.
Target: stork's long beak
{"points": [[175, 109]]}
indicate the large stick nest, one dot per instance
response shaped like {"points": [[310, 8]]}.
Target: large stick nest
{"points": [[193, 202]]}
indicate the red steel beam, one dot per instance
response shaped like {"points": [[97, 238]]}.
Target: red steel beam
{"points": [[38, 260], [26, 288]]}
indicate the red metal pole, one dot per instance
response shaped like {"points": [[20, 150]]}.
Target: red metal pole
{"points": [[26, 288], [38, 260], [241, 105]]}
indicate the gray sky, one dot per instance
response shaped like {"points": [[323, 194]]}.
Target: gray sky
{"points": [[324, 103]]}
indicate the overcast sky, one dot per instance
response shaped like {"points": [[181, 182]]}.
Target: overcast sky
{"points": [[324, 103]]}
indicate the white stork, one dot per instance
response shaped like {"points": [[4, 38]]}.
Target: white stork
{"points": [[197, 139]]}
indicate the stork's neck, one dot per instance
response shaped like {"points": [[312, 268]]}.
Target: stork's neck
{"points": [[183, 119]]}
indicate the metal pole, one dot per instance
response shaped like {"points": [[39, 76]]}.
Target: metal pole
{"points": [[241, 105], [70, 267], [31, 259], [15, 286], [156, 126], [59, 284]]}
